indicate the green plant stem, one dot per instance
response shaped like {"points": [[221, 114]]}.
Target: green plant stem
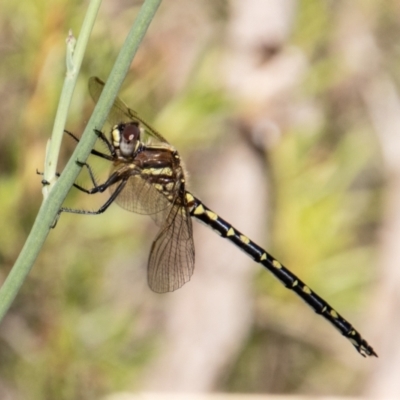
{"points": [[52, 203], [74, 59]]}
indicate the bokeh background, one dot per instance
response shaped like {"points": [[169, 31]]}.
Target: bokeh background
{"points": [[288, 116]]}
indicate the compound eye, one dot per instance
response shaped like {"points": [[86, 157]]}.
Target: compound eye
{"points": [[130, 135], [130, 132]]}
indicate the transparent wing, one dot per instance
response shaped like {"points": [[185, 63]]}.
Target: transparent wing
{"points": [[120, 112], [171, 261], [142, 196]]}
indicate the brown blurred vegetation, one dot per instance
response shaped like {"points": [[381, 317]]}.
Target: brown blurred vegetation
{"points": [[85, 324]]}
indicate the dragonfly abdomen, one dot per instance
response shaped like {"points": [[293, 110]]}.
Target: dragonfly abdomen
{"points": [[203, 214]]}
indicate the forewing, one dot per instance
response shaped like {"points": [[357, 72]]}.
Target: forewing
{"points": [[120, 112], [171, 261]]}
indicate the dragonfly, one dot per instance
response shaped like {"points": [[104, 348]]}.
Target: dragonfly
{"points": [[147, 177]]}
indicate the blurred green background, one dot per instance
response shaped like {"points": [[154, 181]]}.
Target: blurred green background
{"points": [[85, 324]]}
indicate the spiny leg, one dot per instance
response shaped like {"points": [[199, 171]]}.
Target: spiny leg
{"points": [[103, 208], [98, 188], [91, 174], [102, 137], [72, 135], [113, 179], [199, 211], [89, 212]]}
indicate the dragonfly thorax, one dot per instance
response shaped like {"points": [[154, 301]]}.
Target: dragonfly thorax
{"points": [[126, 138]]}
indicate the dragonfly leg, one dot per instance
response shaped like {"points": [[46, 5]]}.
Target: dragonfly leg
{"points": [[95, 152], [104, 139], [72, 135], [113, 178], [102, 208], [91, 212], [91, 174]]}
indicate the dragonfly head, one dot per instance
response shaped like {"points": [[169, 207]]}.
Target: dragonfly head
{"points": [[126, 138]]}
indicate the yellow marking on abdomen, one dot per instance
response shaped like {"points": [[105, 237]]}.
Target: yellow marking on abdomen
{"points": [[189, 198], [231, 232], [212, 215], [199, 210], [334, 314], [244, 239], [263, 257], [276, 264], [307, 290]]}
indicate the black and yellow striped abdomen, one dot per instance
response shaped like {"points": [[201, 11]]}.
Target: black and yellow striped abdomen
{"points": [[203, 214]]}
